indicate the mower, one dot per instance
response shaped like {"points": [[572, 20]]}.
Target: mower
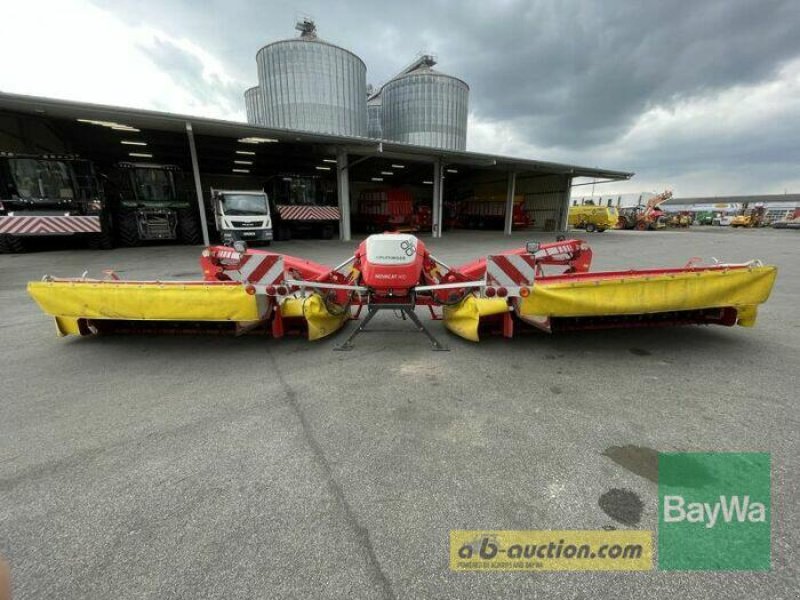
{"points": [[546, 286]]}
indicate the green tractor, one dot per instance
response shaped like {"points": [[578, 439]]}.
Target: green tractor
{"points": [[154, 204]]}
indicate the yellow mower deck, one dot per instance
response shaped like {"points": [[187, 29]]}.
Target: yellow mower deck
{"points": [[70, 301], [619, 294], [74, 302], [321, 323]]}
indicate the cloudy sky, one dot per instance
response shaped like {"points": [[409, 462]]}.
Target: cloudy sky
{"points": [[701, 96]]}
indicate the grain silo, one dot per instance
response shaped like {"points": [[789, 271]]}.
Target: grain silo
{"points": [[253, 107], [425, 107], [374, 129], [309, 84]]}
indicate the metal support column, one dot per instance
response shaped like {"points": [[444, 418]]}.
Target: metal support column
{"points": [[343, 194], [562, 220], [198, 187], [511, 191], [438, 212]]}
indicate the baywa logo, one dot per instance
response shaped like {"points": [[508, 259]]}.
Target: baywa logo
{"points": [[714, 511], [731, 509]]}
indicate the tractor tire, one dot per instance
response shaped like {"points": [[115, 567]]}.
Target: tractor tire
{"points": [[103, 240], [11, 244], [327, 232], [189, 228], [642, 227], [128, 231], [591, 228]]}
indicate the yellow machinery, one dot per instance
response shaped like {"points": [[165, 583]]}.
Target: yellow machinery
{"points": [[593, 218]]}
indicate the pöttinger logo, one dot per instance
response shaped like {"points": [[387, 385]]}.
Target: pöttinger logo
{"points": [[714, 511]]}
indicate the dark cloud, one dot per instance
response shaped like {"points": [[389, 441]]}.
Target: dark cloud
{"points": [[583, 73], [567, 77]]}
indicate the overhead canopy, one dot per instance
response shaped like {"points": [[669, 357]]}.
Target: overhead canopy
{"points": [[233, 130]]}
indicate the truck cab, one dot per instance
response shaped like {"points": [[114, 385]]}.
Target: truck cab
{"points": [[242, 215]]}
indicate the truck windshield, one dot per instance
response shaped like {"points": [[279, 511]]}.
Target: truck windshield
{"points": [[153, 185], [244, 204], [35, 178]]}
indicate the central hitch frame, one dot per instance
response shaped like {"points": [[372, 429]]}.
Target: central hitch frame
{"points": [[406, 309]]}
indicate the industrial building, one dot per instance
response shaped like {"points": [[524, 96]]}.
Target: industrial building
{"points": [[777, 206], [626, 200], [211, 150]]}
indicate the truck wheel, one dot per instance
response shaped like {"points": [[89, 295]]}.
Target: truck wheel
{"points": [[284, 233], [189, 228], [590, 227], [10, 244], [128, 231]]}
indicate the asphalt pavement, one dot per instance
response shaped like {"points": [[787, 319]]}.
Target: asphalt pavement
{"points": [[220, 467]]}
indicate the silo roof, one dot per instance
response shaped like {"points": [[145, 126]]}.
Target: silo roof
{"points": [[308, 40], [424, 70]]}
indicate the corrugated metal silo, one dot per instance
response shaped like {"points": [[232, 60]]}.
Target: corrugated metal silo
{"points": [[252, 104], [426, 107], [313, 85], [374, 128]]}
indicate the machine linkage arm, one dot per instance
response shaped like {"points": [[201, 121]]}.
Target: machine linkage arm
{"points": [[573, 254]]}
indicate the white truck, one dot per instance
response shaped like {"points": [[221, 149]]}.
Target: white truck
{"points": [[242, 215]]}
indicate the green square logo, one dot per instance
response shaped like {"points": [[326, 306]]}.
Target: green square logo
{"points": [[714, 511]]}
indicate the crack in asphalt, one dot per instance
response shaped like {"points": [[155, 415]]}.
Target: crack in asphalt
{"points": [[378, 577]]}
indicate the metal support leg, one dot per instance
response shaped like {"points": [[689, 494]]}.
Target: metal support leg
{"points": [[434, 342], [348, 343], [406, 310]]}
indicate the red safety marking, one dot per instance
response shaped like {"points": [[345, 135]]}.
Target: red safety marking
{"points": [[509, 269]]}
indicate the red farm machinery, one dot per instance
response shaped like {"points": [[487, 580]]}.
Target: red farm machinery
{"points": [[391, 210], [547, 286]]}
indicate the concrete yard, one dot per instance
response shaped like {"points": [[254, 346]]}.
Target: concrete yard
{"points": [[220, 467]]}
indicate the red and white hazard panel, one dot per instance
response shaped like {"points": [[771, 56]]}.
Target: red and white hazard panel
{"points": [[49, 225], [261, 269], [308, 213], [509, 274]]}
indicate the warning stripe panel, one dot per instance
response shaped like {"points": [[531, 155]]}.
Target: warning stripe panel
{"points": [[510, 270], [265, 266], [308, 213], [251, 263], [264, 269], [49, 225]]}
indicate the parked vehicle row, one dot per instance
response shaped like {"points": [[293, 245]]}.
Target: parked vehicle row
{"points": [[64, 195], [136, 202]]}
